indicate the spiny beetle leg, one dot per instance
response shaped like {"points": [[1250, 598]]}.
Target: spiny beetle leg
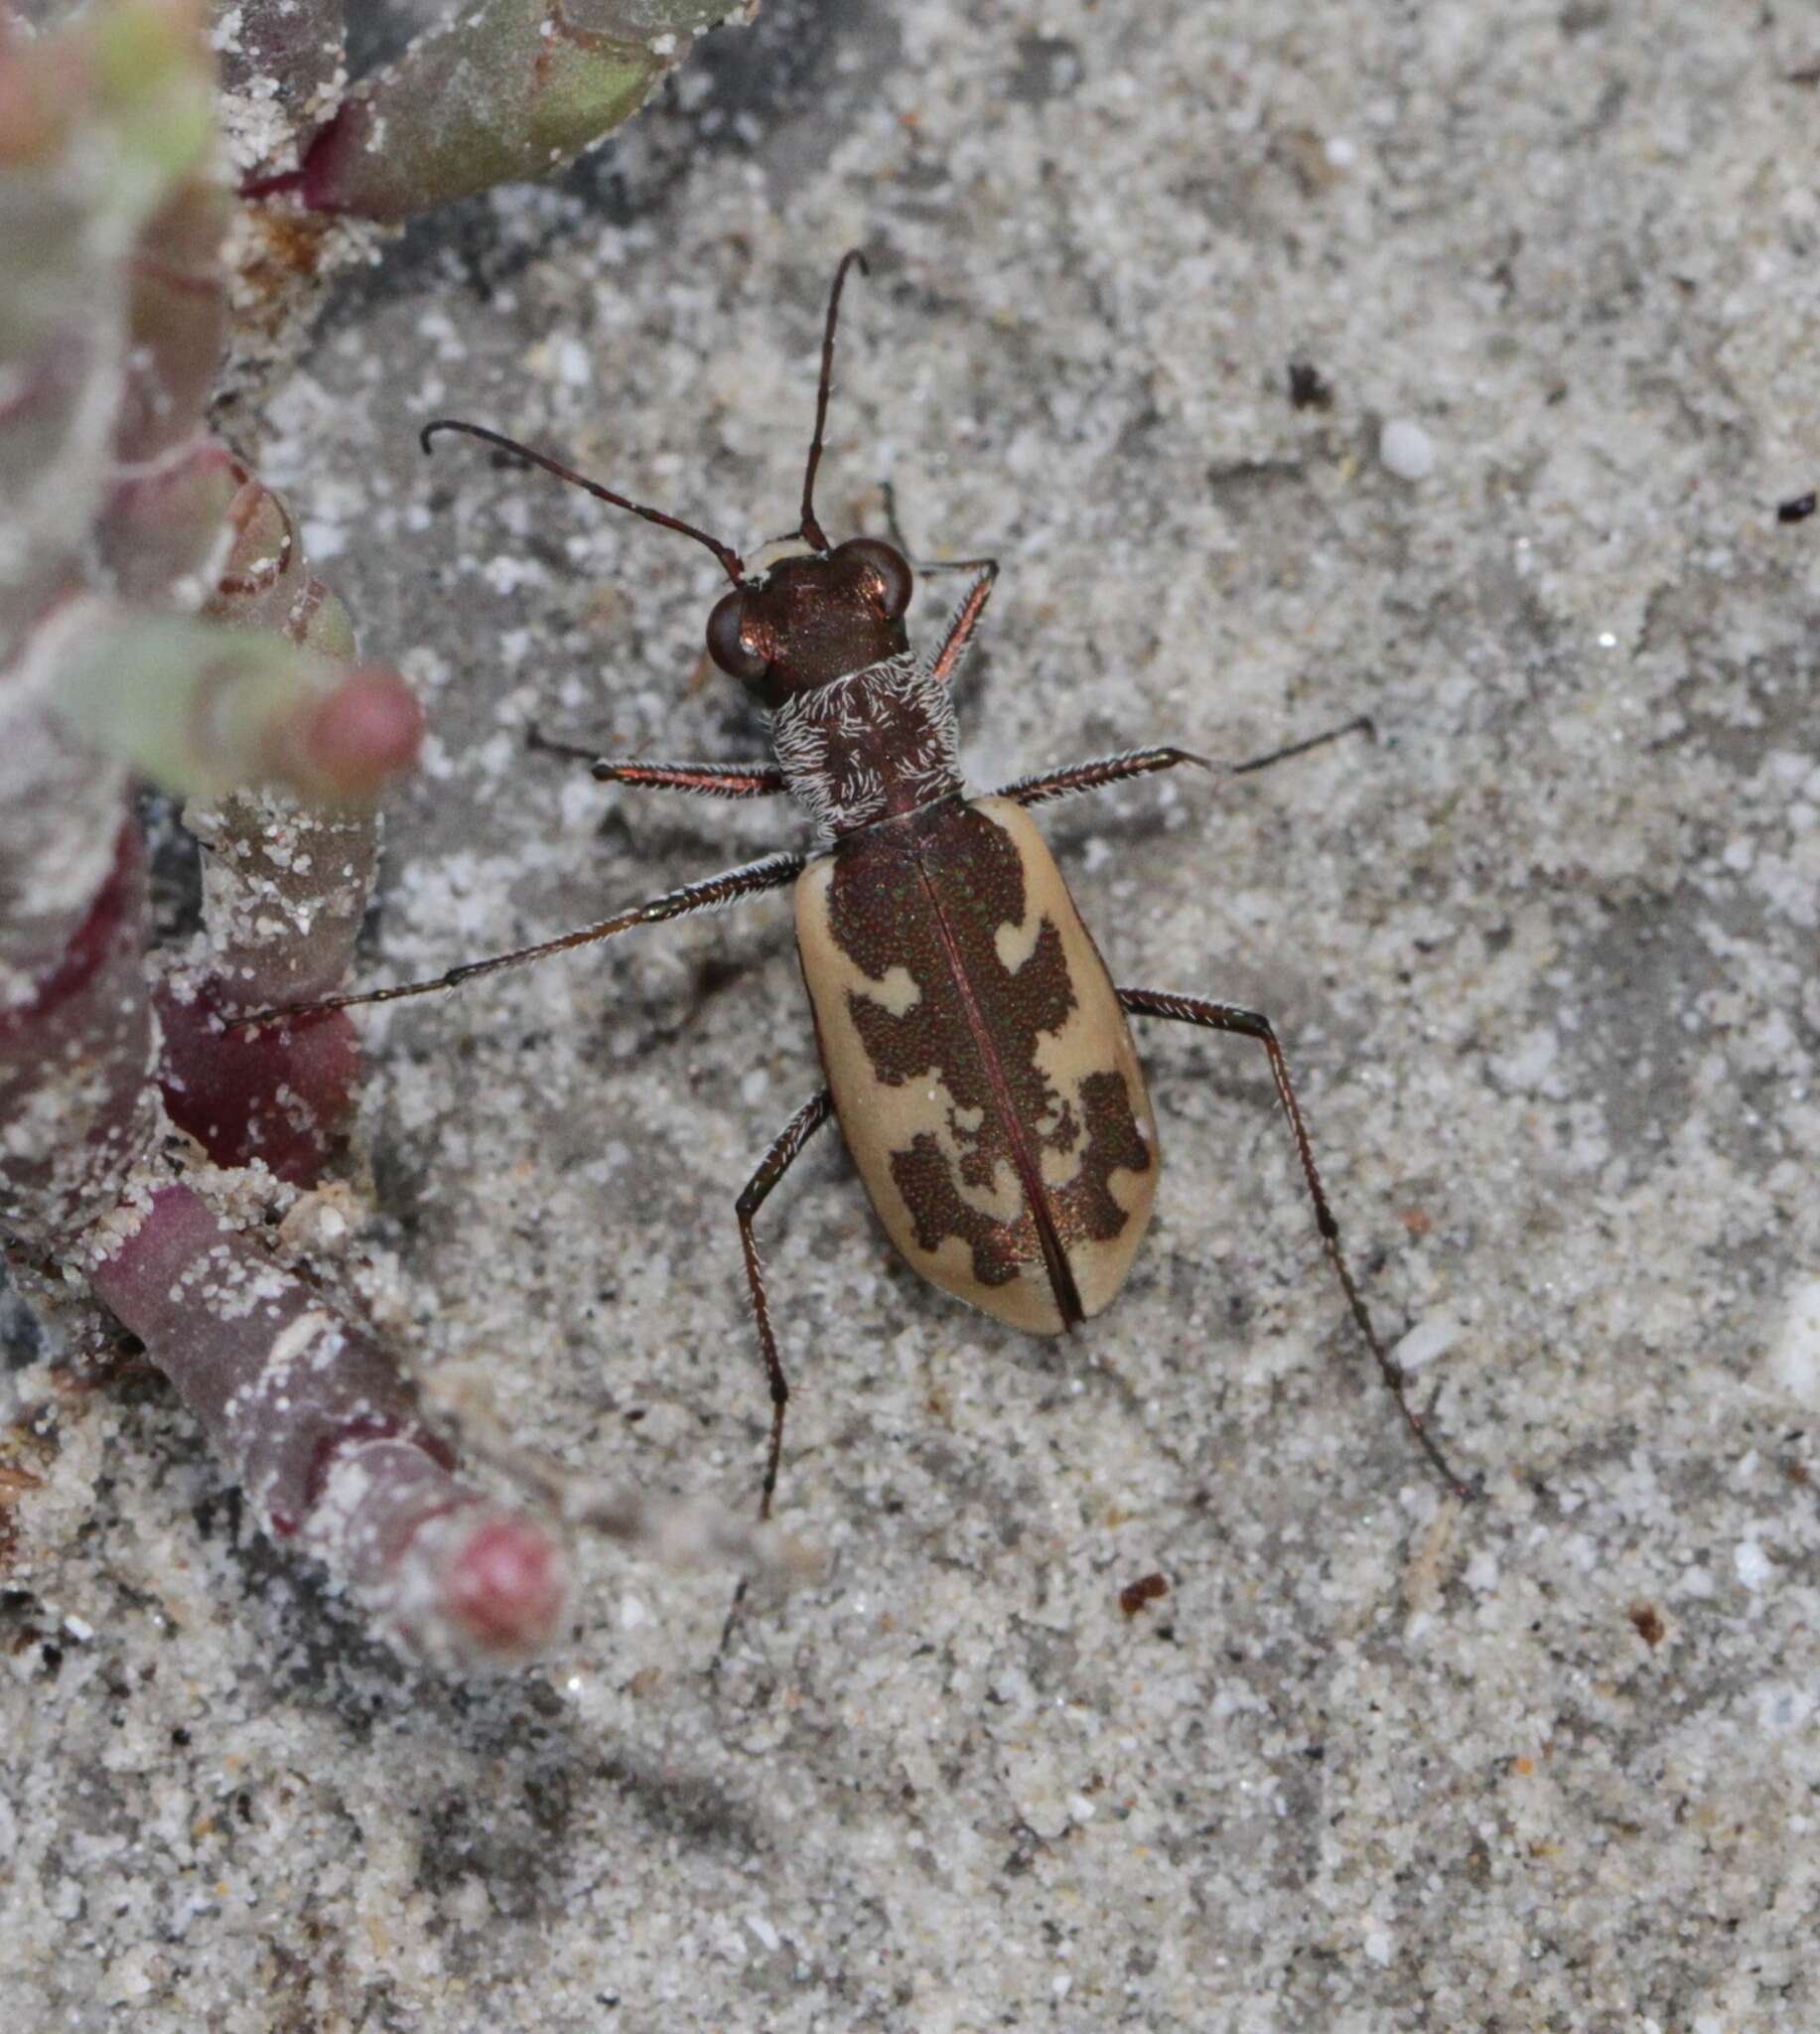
{"points": [[947, 660], [775, 1163], [702, 779], [772, 873], [1096, 775], [1249, 1024]]}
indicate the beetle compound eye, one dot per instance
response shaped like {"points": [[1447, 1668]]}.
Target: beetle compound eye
{"points": [[724, 642], [886, 565]]}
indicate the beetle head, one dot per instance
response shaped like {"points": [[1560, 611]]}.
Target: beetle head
{"points": [[809, 619], [812, 620]]}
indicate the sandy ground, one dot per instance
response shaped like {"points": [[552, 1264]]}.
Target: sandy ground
{"points": [[1543, 956]]}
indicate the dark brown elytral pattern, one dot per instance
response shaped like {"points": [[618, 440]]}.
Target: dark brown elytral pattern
{"points": [[977, 1053], [993, 1073]]}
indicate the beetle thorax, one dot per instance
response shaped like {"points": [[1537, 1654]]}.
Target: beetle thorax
{"points": [[870, 747]]}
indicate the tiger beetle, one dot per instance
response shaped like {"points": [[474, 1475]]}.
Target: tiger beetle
{"points": [[977, 1054]]}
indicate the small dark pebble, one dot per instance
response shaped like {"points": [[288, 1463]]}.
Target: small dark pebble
{"points": [[1309, 389], [1146, 1588]]}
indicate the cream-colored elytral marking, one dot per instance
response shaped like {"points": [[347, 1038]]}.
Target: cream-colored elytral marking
{"points": [[879, 1120], [896, 993], [1016, 943]]}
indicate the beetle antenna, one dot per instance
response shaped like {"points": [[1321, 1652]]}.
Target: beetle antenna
{"points": [[730, 562], [810, 528]]}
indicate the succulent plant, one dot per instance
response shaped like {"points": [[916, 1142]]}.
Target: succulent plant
{"points": [[160, 623], [501, 90]]}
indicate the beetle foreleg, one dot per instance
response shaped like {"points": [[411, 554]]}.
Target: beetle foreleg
{"points": [[1249, 1024], [775, 1163], [947, 660], [704, 779], [926, 565], [772, 873]]}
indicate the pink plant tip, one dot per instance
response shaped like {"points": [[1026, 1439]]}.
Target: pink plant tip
{"points": [[504, 1587], [364, 734]]}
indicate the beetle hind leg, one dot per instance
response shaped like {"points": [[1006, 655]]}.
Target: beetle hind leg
{"points": [[772, 1168], [1250, 1024]]}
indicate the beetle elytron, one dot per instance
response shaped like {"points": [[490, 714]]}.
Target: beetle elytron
{"points": [[977, 1053]]}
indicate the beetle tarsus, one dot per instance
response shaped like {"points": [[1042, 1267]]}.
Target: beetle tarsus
{"points": [[1360, 724]]}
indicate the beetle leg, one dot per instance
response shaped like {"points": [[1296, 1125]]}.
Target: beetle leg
{"points": [[926, 565], [1079, 777], [1360, 724], [1249, 1024], [947, 660], [704, 779], [772, 873], [775, 1163]]}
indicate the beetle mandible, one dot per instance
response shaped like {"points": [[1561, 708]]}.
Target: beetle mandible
{"points": [[977, 1054]]}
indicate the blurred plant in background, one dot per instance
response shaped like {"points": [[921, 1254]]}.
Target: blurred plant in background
{"points": [[160, 623], [505, 90]]}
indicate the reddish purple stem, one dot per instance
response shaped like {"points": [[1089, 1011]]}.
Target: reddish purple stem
{"points": [[326, 1436]]}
